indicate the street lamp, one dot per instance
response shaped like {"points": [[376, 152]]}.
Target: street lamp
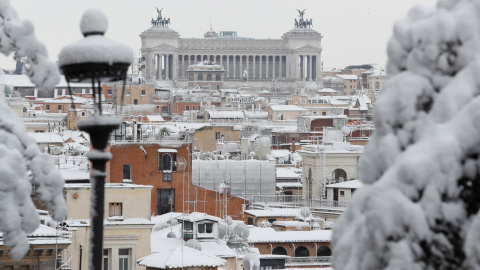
{"points": [[96, 59]]}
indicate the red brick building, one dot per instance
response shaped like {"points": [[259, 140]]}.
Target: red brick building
{"points": [[166, 167]]}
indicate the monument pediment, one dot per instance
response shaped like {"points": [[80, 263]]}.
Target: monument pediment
{"points": [[164, 47], [308, 47]]}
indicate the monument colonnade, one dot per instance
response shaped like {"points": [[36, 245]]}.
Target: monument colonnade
{"points": [[301, 66]]}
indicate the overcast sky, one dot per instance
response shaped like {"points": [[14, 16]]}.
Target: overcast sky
{"points": [[354, 32]]}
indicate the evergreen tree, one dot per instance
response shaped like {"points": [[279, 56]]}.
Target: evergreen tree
{"points": [[418, 208]]}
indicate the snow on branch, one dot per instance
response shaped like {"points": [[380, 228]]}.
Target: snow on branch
{"points": [[24, 170], [18, 36], [419, 207]]}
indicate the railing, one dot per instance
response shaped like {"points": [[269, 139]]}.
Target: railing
{"points": [[323, 260], [297, 201]]}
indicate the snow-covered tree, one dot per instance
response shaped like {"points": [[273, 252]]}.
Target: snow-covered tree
{"points": [[419, 206], [24, 170]]}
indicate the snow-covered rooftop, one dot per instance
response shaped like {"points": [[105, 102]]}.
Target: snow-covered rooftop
{"points": [[155, 118], [289, 185], [288, 173], [269, 235], [69, 175], [107, 185], [291, 223], [347, 184], [181, 257], [46, 137], [348, 76], [226, 114], [275, 212], [287, 108]]}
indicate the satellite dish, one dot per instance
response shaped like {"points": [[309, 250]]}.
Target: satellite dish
{"points": [[222, 230], [229, 220], [241, 230], [346, 131], [251, 262], [193, 244], [171, 235], [298, 228], [230, 229], [304, 212]]}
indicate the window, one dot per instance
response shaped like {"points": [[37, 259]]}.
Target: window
{"points": [[218, 78], [324, 113], [123, 258], [109, 91], [106, 259], [271, 220], [209, 77], [84, 114], [377, 86], [187, 108], [167, 177], [274, 140], [200, 77], [342, 193], [164, 109], [250, 221], [205, 228], [59, 107], [217, 136], [143, 92], [115, 210], [47, 107], [165, 201], [135, 102], [128, 93], [127, 171], [167, 162], [218, 86], [193, 107]]}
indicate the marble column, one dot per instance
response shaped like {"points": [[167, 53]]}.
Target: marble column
{"points": [[234, 67], [227, 69], [260, 67], [274, 67], [254, 74], [267, 64]]}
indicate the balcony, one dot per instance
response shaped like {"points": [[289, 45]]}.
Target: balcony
{"points": [[307, 261], [297, 201]]}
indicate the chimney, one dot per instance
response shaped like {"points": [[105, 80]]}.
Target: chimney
{"points": [[293, 145]]}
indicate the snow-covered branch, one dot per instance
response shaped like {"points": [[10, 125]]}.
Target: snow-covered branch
{"points": [[17, 36], [419, 207], [22, 166]]}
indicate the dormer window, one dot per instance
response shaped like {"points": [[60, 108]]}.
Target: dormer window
{"points": [[205, 228]]}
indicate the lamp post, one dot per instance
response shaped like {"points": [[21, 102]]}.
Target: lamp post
{"points": [[96, 59]]}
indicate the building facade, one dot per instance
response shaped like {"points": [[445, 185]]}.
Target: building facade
{"points": [[295, 57]]}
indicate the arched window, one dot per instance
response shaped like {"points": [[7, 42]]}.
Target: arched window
{"points": [[377, 86], [339, 175], [167, 162], [209, 77], [218, 77], [301, 251], [279, 251], [324, 251], [200, 77]]}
